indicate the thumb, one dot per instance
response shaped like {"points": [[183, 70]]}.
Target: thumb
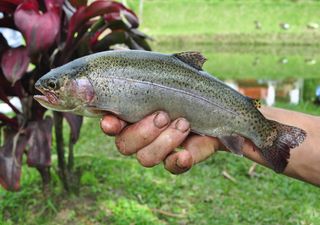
{"points": [[201, 147], [196, 149], [111, 125]]}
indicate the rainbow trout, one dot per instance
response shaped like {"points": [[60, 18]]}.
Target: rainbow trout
{"points": [[132, 84]]}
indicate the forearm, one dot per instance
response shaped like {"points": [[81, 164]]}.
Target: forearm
{"points": [[304, 162]]}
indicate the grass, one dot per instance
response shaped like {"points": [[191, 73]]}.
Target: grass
{"points": [[231, 21], [117, 190], [246, 61]]}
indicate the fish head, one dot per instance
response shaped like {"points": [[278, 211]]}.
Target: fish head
{"points": [[65, 89]]}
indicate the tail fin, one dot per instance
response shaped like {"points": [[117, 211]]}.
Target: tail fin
{"points": [[288, 137]]}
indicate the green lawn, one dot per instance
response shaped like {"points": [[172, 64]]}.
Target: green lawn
{"points": [[246, 61], [231, 21], [117, 190]]}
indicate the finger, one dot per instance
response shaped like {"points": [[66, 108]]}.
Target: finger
{"points": [[197, 149], [111, 125], [175, 166], [201, 147], [167, 141], [138, 135]]}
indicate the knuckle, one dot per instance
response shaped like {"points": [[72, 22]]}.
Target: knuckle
{"points": [[169, 139], [144, 134], [146, 161], [121, 146]]}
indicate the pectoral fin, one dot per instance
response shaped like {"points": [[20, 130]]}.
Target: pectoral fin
{"points": [[233, 142]]}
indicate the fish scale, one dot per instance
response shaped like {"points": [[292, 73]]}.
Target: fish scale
{"points": [[133, 84], [173, 75]]}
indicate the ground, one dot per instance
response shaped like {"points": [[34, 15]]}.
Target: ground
{"points": [[116, 190]]}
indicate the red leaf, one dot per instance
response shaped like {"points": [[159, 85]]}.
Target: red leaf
{"points": [[8, 6], [94, 38], [83, 14], [40, 30], [10, 159], [7, 89], [125, 15], [14, 63], [75, 123], [9, 121], [14, 2], [39, 153], [116, 37], [78, 3], [53, 4], [37, 110]]}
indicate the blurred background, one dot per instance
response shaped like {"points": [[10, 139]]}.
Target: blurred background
{"points": [[265, 49]]}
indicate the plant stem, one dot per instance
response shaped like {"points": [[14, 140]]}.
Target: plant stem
{"points": [[58, 122], [70, 155], [46, 178]]}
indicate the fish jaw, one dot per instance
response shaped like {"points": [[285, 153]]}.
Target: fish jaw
{"points": [[48, 100], [72, 95]]}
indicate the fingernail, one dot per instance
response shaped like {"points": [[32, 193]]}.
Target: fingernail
{"points": [[181, 166], [182, 125], [161, 119], [178, 163]]}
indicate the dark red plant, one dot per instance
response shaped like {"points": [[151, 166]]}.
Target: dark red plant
{"points": [[55, 32]]}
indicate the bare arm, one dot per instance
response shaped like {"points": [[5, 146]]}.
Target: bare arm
{"points": [[304, 162], [155, 138]]}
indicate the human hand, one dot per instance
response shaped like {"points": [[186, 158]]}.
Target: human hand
{"points": [[155, 138]]}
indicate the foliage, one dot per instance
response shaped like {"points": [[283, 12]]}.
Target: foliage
{"points": [[309, 89], [55, 32], [117, 190], [134, 211]]}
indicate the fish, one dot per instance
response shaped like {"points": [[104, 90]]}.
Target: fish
{"points": [[132, 84]]}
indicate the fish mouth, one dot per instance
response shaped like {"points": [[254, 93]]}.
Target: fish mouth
{"points": [[48, 99]]}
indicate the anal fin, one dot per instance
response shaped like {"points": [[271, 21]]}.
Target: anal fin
{"points": [[233, 142]]}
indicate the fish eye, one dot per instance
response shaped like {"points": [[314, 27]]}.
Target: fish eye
{"points": [[52, 84]]}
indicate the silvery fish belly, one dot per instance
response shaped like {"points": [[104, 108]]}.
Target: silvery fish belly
{"points": [[133, 84]]}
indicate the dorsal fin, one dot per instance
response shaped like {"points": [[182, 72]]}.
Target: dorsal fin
{"points": [[255, 102], [194, 59]]}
